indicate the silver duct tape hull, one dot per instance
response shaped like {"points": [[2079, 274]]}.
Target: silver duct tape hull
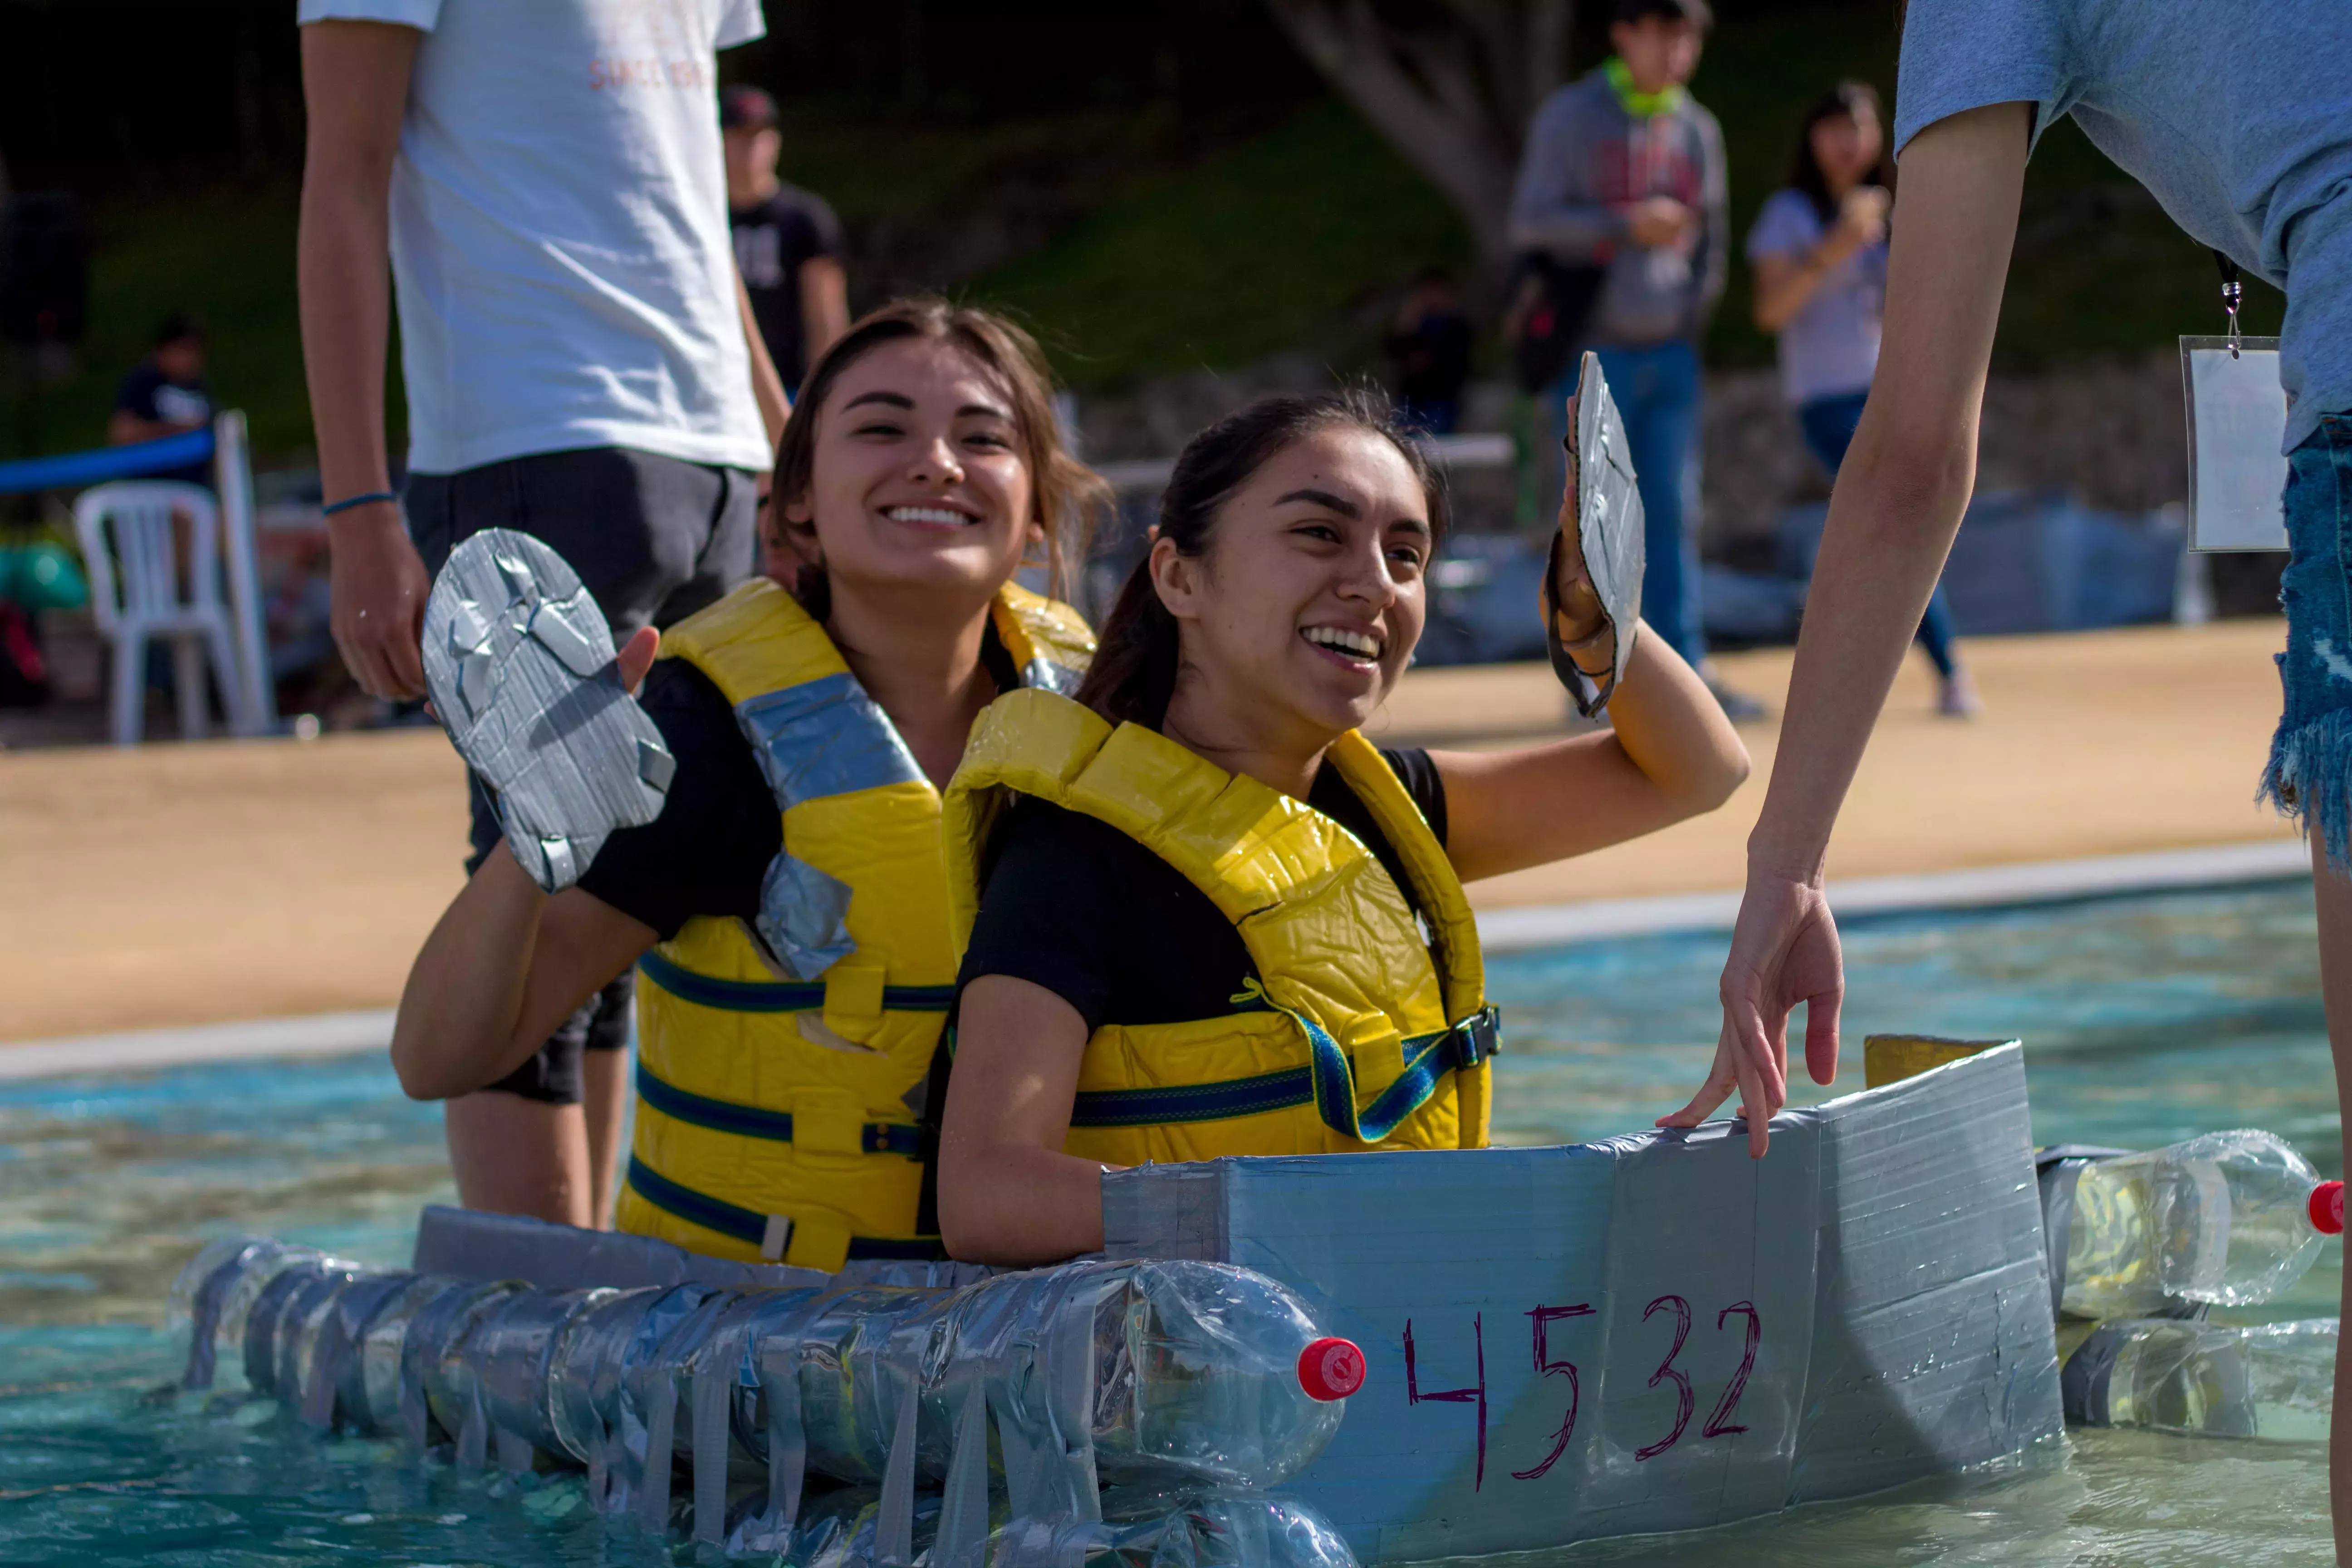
{"points": [[1037, 1387], [1652, 1332]]}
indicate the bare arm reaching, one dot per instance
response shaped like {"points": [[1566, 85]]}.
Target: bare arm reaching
{"points": [[1899, 502], [355, 81], [824, 304], [767, 386]]}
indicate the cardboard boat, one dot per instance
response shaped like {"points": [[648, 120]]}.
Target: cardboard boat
{"points": [[1649, 1333]]}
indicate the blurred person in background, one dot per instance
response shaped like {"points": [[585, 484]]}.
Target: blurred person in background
{"points": [[1818, 248], [1430, 346], [787, 241], [166, 394], [580, 363], [1624, 171], [2239, 122]]}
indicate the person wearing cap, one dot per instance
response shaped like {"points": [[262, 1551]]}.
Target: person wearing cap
{"points": [[581, 365], [787, 241]]}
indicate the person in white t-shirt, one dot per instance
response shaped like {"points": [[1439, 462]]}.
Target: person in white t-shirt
{"points": [[581, 365]]}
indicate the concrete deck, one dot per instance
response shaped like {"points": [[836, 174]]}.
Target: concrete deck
{"points": [[180, 885]]}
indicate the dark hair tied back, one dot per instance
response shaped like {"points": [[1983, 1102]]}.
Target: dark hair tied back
{"points": [[1135, 664]]}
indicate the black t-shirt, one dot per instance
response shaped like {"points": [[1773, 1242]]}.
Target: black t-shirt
{"points": [[1073, 905], [147, 393], [772, 240], [708, 851]]}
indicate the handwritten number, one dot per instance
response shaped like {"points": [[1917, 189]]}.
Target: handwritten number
{"points": [[1547, 1367], [1719, 1422], [1477, 1395], [1667, 1369]]}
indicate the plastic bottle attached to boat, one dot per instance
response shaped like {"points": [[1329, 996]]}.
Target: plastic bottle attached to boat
{"points": [[2227, 1219], [2179, 1376]]}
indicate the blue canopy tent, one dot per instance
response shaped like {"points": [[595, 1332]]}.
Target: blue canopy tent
{"points": [[252, 706]]}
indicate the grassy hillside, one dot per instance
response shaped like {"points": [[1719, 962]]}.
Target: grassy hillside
{"points": [[226, 254], [1262, 249], [1140, 244]]}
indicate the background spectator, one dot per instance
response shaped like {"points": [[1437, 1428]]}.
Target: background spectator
{"points": [[787, 240], [1818, 248], [166, 394], [1623, 171], [580, 363], [1431, 347]]}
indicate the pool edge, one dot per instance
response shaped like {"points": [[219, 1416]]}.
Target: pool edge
{"points": [[1499, 931]]}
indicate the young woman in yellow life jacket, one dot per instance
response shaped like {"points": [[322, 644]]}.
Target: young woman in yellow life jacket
{"points": [[788, 910], [1209, 917]]}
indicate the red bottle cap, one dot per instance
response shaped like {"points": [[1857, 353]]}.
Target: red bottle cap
{"points": [[1333, 1369], [2327, 1208]]}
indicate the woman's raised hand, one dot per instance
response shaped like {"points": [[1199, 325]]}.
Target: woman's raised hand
{"points": [[1579, 618]]}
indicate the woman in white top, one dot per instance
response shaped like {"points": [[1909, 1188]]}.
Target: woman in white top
{"points": [[1819, 250]]}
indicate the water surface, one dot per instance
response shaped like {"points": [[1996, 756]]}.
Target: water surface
{"points": [[2146, 1021]]}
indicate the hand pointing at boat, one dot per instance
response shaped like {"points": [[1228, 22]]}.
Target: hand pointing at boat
{"points": [[1784, 951]]}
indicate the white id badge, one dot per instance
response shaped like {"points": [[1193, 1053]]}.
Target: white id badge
{"points": [[2237, 422]]}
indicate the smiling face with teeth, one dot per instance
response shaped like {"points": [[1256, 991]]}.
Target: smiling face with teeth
{"points": [[918, 479], [1297, 618]]}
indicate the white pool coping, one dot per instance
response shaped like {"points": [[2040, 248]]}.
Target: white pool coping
{"points": [[1499, 931]]}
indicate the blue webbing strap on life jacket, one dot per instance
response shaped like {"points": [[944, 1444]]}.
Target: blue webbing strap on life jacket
{"points": [[778, 996], [750, 1121], [745, 1226], [1330, 1082]]}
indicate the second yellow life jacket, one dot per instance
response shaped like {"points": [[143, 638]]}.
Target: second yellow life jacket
{"points": [[775, 1055], [1353, 1035]]}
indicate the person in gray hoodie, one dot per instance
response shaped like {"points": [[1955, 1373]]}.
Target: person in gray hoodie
{"points": [[1624, 173]]}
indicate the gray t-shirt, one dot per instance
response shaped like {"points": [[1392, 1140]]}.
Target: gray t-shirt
{"points": [[1830, 347], [2237, 118]]}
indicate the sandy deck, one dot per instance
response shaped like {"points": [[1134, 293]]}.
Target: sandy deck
{"points": [[191, 884]]}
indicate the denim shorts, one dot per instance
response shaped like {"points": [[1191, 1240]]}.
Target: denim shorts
{"points": [[2309, 777]]}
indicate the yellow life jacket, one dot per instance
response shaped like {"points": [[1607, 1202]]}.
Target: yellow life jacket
{"points": [[775, 1055], [1352, 1035]]}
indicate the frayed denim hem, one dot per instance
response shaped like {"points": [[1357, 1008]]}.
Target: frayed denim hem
{"points": [[2309, 780]]}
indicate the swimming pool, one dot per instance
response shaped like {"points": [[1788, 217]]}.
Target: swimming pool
{"points": [[2147, 1020]]}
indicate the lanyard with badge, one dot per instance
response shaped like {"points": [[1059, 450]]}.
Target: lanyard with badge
{"points": [[2237, 424]]}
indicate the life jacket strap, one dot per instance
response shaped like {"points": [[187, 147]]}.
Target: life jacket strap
{"points": [[771, 1234], [777, 995], [750, 1121], [1330, 1082]]}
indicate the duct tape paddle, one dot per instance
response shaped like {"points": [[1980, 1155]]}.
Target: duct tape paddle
{"points": [[1603, 609], [520, 666]]}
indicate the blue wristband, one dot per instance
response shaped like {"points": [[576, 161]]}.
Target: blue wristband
{"points": [[346, 505]]}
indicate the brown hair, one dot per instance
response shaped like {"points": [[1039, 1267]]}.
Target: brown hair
{"points": [[1134, 670], [1067, 492]]}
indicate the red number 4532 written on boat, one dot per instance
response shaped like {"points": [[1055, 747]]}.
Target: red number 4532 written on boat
{"points": [[1718, 1423]]}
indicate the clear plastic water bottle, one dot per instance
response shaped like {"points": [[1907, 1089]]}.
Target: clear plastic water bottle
{"points": [[2179, 1376], [1208, 1528], [2228, 1218], [1190, 1372]]}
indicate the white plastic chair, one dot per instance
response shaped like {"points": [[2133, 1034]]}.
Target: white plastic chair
{"points": [[136, 594]]}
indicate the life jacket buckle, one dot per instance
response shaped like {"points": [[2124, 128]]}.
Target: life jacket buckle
{"points": [[1477, 1038]]}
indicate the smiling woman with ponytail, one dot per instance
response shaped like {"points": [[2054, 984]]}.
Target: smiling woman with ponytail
{"points": [[1206, 916]]}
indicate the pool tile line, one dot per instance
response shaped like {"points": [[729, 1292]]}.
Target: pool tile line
{"points": [[1500, 930], [1977, 887]]}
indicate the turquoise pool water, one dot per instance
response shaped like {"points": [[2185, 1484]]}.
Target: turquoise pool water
{"points": [[2147, 1020]]}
